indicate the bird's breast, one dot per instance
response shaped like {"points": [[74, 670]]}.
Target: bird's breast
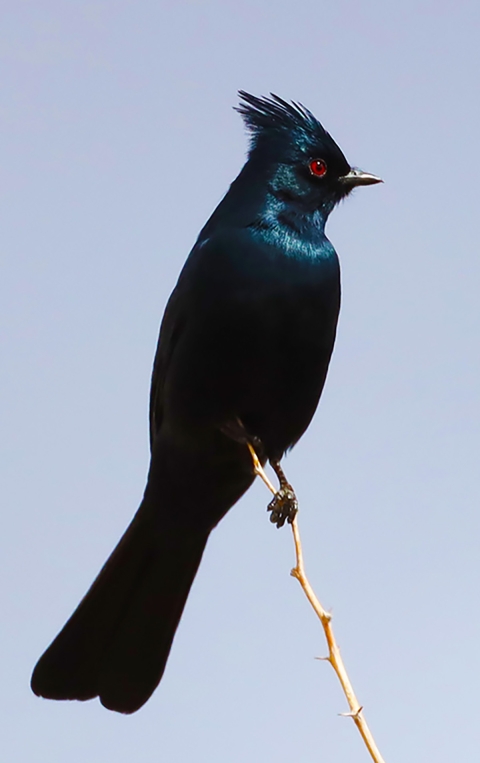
{"points": [[258, 340]]}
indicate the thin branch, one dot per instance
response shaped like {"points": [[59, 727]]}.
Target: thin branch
{"points": [[334, 656], [259, 470]]}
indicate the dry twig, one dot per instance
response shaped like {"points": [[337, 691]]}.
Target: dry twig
{"points": [[334, 656]]}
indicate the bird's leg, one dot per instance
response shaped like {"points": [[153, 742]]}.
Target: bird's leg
{"points": [[284, 504]]}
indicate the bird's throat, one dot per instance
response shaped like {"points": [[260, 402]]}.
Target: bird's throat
{"points": [[299, 233]]}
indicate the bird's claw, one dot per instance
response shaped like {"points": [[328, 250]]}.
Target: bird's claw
{"points": [[283, 506]]}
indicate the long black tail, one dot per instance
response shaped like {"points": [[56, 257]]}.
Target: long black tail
{"points": [[116, 643]]}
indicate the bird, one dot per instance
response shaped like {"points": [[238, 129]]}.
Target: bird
{"points": [[242, 357]]}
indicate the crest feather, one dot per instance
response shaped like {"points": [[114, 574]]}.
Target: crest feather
{"points": [[275, 114]]}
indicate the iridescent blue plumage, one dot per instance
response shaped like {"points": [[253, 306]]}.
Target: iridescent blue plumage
{"points": [[243, 353]]}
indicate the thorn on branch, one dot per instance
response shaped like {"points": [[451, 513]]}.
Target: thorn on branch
{"points": [[353, 714]]}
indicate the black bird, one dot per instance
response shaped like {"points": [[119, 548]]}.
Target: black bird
{"points": [[242, 356]]}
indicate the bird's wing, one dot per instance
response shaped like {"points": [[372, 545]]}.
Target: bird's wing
{"points": [[202, 266], [172, 326]]}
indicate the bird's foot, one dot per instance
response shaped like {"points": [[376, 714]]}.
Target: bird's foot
{"points": [[284, 506]]}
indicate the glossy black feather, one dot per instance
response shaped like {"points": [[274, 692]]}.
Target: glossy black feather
{"points": [[247, 335]]}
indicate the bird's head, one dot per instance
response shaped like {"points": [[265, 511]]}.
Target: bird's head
{"points": [[305, 167]]}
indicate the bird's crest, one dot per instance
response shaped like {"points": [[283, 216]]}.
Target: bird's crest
{"points": [[267, 115]]}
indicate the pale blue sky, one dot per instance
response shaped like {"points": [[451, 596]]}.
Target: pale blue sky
{"points": [[118, 139]]}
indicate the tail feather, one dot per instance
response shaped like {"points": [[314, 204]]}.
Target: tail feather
{"points": [[116, 643]]}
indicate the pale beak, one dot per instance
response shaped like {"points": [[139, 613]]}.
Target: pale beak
{"points": [[357, 177]]}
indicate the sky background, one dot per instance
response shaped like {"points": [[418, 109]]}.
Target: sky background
{"points": [[118, 139]]}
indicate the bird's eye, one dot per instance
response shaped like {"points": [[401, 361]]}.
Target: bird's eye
{"points": [[318, 168]]}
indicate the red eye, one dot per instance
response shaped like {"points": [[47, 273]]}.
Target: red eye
{"points": [[318, 168]]}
